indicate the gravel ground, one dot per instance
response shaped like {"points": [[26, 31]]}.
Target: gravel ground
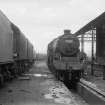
{"points": [[38, 87]]}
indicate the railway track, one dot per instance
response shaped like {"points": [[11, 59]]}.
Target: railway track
{"points": [[90, 93]]}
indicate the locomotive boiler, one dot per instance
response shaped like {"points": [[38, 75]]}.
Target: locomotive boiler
{"points": [[64, 58]]}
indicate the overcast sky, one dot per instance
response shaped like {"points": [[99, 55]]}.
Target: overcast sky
{"points": [[43, 20]]}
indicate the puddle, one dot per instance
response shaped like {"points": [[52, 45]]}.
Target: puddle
{"points": [[27, 76], [59, 93], [63, 100], [48, 96], [40, 75], [24, 78], [37, 75], [49, 76]]}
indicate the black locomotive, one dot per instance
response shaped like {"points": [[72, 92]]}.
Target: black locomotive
{"points": [[17, 53], [64, 58]]}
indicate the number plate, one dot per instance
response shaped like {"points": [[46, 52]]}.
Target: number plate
{"points": [[69, 41]]}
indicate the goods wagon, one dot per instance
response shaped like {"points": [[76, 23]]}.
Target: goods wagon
{"points": [[30, 53], [14, 54], [65, 59], [34, 55], [6, 45], [19, 49], [20, 43], [6, 40]]}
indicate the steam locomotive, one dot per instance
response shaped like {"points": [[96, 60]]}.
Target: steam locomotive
{"points": [[17, 54], [64, 58]]}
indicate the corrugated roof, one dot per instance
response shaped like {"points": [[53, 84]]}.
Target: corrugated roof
{"points": [[92, 24]]}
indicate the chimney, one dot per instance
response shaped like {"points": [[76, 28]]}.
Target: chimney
{"points": [[67, 32]]}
